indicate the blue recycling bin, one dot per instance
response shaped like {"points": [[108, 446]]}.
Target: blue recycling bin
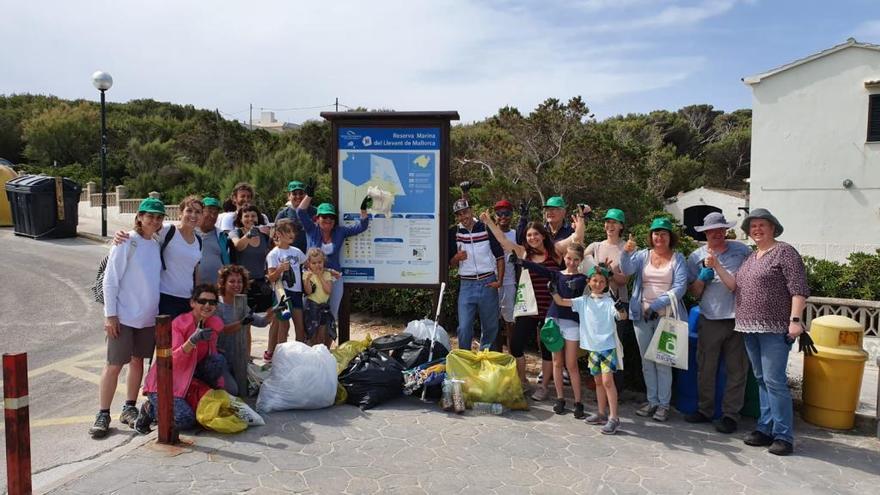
{"points": [[684, 387]]}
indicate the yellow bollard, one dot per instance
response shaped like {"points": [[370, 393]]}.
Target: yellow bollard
{"points": [[833, 377]]}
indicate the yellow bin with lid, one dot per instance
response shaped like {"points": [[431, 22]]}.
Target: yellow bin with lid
{"points": [[6, 174], [833, 377]]}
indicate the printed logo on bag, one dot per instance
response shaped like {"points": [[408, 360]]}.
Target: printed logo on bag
{"points": [[668, 341], [519, 294]]}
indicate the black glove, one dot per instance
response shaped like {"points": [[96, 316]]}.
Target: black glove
{"points": [[468, 185], [805, 345], [367, 203], [247, 320], [651, 315], [551, 286], [524, 208], [621, 306], [200, 335], [514, 259], [310, 188]]}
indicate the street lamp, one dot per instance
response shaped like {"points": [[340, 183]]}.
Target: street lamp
{"points": [[103, 82]]}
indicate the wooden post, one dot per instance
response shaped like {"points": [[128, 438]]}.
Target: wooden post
{"points": [[343, 325], [240, 351], [17, 416], [167, 431]]}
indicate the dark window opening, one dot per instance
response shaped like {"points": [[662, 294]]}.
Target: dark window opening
{"points": [[874, 118]]}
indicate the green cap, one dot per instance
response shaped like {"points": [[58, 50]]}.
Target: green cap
{"points": [[295, 185], [551, 337], [152, 205], [555, 202], [661, 223], [598, 269], [616, 215], [209, 201], [326, 209]]}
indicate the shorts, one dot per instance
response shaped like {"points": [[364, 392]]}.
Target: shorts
{"points": [[506, 297], [294, 298], [131, 342], [173, 306], [602, 362], [318, 315], [570, 329]]}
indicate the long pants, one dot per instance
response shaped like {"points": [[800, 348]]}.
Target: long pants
{"points": [[714, 339], [768, 353], [184, 416], [475, 297], [658, 377]]}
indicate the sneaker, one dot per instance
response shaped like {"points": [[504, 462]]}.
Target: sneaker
{"points": [[267, 356], [610, 427], [697, 417], [129, 415], [726, 425], [596, 419], [646, 410], [780, 447], [758, 439], [539, 394], [579, 410], [559, 407], [144, 420], [101, 426], [661, 414]]}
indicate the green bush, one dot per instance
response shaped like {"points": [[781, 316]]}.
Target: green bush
{"points": [[859, 278]]}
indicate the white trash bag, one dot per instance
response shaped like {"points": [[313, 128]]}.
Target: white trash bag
{"points": [[301, 377], [421, 329]]}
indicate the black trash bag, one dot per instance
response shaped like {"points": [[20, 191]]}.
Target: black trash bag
{"points": [[371, 378], [416, 353]]}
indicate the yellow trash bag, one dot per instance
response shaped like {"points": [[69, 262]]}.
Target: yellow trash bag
{"points": [[215, 412], [344, 354], [488, 377]]}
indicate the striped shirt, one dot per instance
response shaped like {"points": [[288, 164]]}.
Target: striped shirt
{"points": [[539, 285], [481, 247]]}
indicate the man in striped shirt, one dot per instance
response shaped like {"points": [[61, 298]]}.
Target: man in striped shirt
{"points": [[479, 259]]}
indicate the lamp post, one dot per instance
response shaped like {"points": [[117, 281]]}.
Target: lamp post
{"points": [[102, 81]]}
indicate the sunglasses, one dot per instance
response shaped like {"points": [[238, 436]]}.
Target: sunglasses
{"points": [[209, 302], [503, 213]]}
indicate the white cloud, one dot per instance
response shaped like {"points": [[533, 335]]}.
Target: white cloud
{"points": [[405, 55], [868, 31]]}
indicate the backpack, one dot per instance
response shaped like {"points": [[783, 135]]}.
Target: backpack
{"points": [[168, 237], [98, 288]]}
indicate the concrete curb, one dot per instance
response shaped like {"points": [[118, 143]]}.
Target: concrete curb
{"points": [[93, 237]]}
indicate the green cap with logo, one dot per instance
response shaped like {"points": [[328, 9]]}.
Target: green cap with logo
{"points": [[152, 205], [616, 215], [326, 209], [551, 336], [661, 223], [209, 201], [295, 185], [555, 202]]}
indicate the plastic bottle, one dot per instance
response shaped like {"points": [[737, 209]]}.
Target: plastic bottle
{"points": [[488, 408]]}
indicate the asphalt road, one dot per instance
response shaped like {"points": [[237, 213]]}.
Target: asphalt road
{"points": [[47, 312]]}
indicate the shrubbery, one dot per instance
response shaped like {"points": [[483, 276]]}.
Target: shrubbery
{"points": [[859, 278]]}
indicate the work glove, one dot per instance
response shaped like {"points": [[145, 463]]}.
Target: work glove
{"points": [[524, 208], [310, 188], [805, 345], [202, 334], [651, 315], [465, 186], [247, 320], [706, 274], [514, 259], [367, 203], [551, 286]]}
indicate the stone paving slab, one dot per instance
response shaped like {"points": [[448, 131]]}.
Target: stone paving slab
{"points": [[406, 447]]}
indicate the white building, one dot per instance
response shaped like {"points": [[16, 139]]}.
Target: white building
{"points": [[816, 149], [268, 122], [691, 207]]}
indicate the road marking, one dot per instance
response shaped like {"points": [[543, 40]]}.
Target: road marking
{"points": [[69, 420]]}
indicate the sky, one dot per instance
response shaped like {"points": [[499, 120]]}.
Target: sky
{"points": [[297, 57]]}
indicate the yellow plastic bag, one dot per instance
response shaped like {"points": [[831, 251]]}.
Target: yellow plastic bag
{"points": [[344, 354], [215, 412], [488, 377]]}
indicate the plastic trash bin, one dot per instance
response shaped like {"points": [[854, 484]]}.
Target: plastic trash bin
{"points": [[44, 206]]}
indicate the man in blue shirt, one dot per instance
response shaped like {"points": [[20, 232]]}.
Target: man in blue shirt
{"points": [[715, 335]]}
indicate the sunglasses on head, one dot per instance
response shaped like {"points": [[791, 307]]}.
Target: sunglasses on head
{"points": [[210, 302], [503, 213]]}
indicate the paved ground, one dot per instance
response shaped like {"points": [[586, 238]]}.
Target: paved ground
{"points": [[409, 447]]}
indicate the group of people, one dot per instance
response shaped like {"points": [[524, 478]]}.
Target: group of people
{"points": [[192, 271], [751, 304], [583, 297]]}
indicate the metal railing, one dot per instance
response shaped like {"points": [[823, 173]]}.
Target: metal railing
{"points": [[867, 313]]}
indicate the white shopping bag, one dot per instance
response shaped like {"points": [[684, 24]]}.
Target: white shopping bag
{"points": [[525, 303], [669, 345]]}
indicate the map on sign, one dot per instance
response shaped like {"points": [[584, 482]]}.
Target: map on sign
{"points": [[397, 168]]}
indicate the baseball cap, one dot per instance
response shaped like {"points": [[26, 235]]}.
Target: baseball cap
{"points": [[503, 204], [326, 209], [460, 204], [209, 201], [555, 202], [295, 185], [152, 205]]}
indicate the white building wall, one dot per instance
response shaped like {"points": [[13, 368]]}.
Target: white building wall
{"points": [[809, 130]]}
